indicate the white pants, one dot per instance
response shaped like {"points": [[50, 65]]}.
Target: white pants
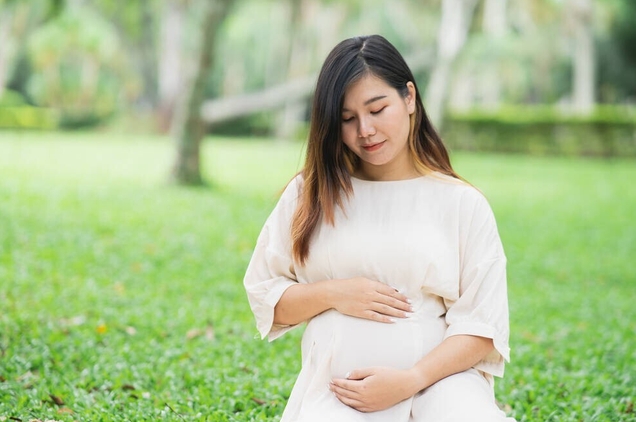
{"points": [[466, 396], [463, 397]]}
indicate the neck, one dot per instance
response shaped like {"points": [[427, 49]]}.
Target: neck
{"points": [[403, 171]]}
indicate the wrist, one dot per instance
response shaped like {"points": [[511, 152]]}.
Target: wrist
{"points": [[418, 379], [326, 294]]}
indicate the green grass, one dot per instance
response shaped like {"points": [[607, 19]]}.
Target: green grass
{"points": [[121, 295]]}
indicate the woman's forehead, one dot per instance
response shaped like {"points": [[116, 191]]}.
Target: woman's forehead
{"points": [[366, 90]]}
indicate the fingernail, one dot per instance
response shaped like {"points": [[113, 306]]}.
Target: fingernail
{"points": [[392, 320], [409, 301], [348, 375]]}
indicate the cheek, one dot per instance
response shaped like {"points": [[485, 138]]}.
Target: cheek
{"points": [[348, 136]]}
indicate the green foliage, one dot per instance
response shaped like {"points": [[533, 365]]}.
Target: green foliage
{"points": [[608, 131], [28, 117], [77, 67], [12, 98], [617, 54], [121, 296]]}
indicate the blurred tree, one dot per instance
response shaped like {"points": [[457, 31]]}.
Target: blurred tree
{"points": [[579, 16], [495, 26], [455, 22], [297, 65], [78, 66], [136, 22], [17, 20], [617, 54], [171, 71], [188, 126], [276, 79]]}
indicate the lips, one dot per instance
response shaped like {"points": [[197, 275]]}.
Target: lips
{"points": [[373, 147]]}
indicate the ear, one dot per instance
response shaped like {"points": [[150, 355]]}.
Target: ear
{"points": [[410, 97]]}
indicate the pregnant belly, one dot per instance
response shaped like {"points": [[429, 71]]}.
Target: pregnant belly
{"points": [[354, 343]]}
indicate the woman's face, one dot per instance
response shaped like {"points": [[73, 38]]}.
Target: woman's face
{"points": [[376, 125]]}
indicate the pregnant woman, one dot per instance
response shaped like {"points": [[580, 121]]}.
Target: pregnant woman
{"points": [[393, 260]]}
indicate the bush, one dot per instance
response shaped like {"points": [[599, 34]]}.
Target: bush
{"points": [[78, 68], [12, 98], [608, 131], [28, 117]]}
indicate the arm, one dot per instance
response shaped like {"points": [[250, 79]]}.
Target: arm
{"points": [[359, 297], [378, 388]]}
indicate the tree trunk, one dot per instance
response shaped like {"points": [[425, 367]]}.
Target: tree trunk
{"points": [[293, 110], [583, 98], [6, 47], [188, 125], [453, 30], [494, 24], [171, 64], [148, 50]]}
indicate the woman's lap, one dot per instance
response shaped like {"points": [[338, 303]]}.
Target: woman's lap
{"points": [[462, 397]]}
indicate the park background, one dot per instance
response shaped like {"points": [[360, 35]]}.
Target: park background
{"points": [[144, 143]]}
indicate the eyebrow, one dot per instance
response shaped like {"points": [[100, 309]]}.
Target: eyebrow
{"points": [[370, 100]]}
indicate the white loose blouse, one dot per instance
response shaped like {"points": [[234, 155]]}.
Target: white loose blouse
{"points": [[434, 238]]}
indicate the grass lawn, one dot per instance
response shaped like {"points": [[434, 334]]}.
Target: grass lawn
{"points": [[121, 296]]}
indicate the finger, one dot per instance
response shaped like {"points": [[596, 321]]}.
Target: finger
{"points": [[354, 403], [390, 311], [359, 374], [404, 305], [393, 293], [375, 316], [345, 388]]}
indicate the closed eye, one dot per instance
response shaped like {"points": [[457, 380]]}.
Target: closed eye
{"points": [[347, 119], [378, 111]]}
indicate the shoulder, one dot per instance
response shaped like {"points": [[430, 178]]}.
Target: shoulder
{"points": [[468, 198], [288, 200], [293, 190], [454, 188]]}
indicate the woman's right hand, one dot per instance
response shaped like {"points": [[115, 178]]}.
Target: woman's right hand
{"points": [[368, 299]]}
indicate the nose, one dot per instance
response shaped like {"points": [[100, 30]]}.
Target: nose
{"points": [[365, 128]]}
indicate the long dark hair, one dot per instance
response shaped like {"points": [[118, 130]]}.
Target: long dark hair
{"points": [[329, 162]]}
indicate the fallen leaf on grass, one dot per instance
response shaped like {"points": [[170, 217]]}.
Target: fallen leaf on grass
{"points": [[37, 420], [208, 333], [194, 333], [127, 387], [65, 411], [27, 379], [258, 401], [56, 400], [2, 379], [73, 321], [120, 289]]}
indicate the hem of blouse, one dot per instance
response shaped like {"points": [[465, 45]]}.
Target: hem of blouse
{"points": [[265, 325], [492, 366]]}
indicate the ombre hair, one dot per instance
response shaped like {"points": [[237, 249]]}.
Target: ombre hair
{"points": [[329, 162]]}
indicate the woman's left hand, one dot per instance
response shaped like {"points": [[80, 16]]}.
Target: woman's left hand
{"points": [[375, 388]]}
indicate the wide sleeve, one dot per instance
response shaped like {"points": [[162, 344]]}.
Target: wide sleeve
{"points": [[482, 306], [271, 269]]}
